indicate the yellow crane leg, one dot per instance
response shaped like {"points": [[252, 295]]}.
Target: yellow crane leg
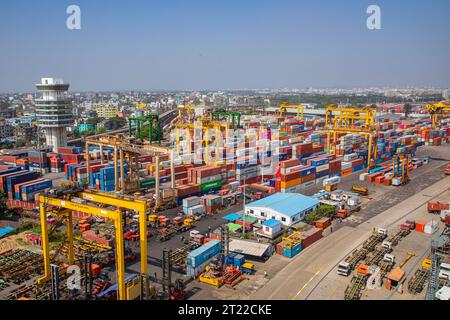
{"points": [[178, 140], [69, 226], [116, 171], [369, 153], [121, 290], [143, 240], [172, 170], [101, 155], [88, 163], [158, 200], [122, 172], [45, 243]]}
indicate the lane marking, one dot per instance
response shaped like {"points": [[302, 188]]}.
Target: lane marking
{"points": [[306, 284]]}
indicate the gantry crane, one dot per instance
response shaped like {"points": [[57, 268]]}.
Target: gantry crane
{"points": [[123, 147], [346, 120], [233, 117], [67, 206], [400, 167], [154, 124], [188, 109], [205, 125], [299, 108], [437, 109]]}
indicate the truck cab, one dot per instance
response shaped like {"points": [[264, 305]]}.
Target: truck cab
{"points": [[387, 245], [389, 258], [194, 233], [344, 269]]}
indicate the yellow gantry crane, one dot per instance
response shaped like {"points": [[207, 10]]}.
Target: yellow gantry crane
{"points": [[299, 108], [188, 109], [437, 109], [205, 125], [122, 147], [67, 206], [352, 120]]}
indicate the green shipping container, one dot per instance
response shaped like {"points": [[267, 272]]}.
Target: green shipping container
{"points": [[211, 185], [147, 183]]}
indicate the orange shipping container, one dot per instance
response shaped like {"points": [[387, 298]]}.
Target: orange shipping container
{"points": [[346, 172], [420, 225]]}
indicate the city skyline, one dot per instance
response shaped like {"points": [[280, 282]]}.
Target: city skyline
{"points": [[198, 45]]}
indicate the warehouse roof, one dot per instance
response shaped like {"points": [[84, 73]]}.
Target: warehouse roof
{"points": [[232, 217], [286, 203], [233, 227], [249, 248], [271, 223]]}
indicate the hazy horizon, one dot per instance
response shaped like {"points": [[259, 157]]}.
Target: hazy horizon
{"points": [[201, 45]]}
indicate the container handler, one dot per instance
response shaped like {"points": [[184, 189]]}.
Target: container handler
{"points": [[364, 191]]}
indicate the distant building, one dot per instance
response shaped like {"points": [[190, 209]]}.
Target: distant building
{"points": [[6, 130], [106, 111], [6, 112], [54, 111], [85, 127], [288, 208], [445, 93], [25, 133]]}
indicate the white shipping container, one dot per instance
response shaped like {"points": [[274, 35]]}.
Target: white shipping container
{"points": [[350, 157], [363, 176], [323, 168], [346, 165], [199, 209], [331, 181], [431, 227], [234, 185], [191, 202]]}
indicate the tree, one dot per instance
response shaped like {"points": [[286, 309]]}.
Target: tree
{"points": [[407, 109]]}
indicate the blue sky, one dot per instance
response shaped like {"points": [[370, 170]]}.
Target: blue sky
{"points": [[224, 44]]}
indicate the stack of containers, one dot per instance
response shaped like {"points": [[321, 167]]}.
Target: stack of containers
{"points": [[212, 203], [200, 257], [11, 181], [104, 180], [6, 173], [38, 161], [29, 191], [17, 188], [190, 202]]}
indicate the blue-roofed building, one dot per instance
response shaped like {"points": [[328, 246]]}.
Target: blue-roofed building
{"points": [[271, 227], [288, 208]]}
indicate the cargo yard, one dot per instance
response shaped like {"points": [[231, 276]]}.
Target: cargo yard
{"points": [[216, 204]]}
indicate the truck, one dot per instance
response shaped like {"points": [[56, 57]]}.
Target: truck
{"points": [[364, 191], [437, 207], [344, 213]]}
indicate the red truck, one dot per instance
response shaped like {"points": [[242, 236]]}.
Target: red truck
{"points": [[447, 170], [437, 207]]}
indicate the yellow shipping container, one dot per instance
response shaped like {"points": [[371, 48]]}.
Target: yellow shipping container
{"points": [[290, 184]]}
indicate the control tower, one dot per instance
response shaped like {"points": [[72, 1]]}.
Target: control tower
{"points": [[54, 111]]}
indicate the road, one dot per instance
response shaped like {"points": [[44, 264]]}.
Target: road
{"points": [[306, 271]]}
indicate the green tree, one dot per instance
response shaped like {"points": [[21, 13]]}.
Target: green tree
{"points": [[407, 109]]}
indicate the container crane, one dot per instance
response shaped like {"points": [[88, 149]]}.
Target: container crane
{"points": [[352, 120], [299, 108], [437, 109]]}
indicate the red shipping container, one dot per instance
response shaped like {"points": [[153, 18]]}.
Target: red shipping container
{"points": [[308, 178], [290, 176]]}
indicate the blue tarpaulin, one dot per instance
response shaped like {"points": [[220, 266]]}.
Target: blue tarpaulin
{"points": [[232, 217], [6, 230]]}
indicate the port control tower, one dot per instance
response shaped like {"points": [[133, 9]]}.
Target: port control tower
{"points": [[54, 111]]}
